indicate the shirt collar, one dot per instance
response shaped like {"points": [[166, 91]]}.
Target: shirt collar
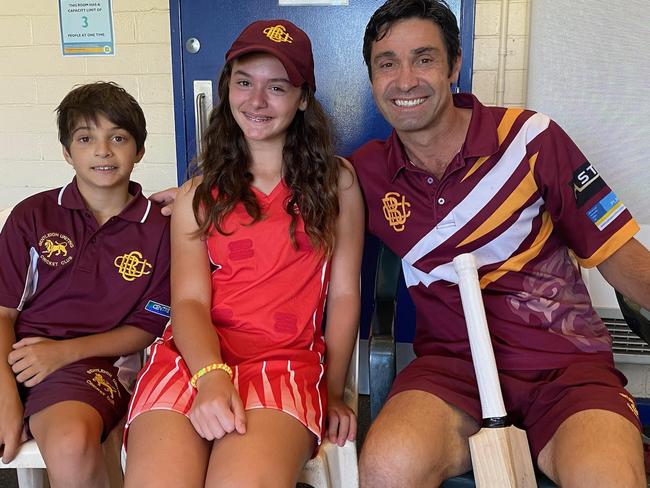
{"points": [[481, 140], [137, 210]]}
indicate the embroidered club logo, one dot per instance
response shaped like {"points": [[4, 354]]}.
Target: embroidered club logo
{"points": [[630, 404], [132, 265], [278, 33], [396, 210], [103, 382], [56, 249]]}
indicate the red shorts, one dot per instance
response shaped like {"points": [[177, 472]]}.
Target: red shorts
{"points": [[92, 381], [536, 401], [295, 388]]}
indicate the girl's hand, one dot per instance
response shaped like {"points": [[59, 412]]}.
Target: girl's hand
{"points": [[341, 422], [34, 358], [217, 409]]}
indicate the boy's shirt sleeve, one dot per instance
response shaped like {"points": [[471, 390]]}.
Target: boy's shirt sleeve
{"points": [[593, 222], [16, 253], [153, 311]]}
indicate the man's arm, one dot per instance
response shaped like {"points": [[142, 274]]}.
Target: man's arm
{"points": [[11, 408], [166, 198], [628, 270], [34, 358]]}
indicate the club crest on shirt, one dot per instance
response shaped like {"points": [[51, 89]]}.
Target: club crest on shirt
{"points": [[132, 265], [586, 182], [103, 382], [55, 249], [630, 404], [396, 210]]}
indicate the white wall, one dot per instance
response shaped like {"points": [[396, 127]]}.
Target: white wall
{"points": [[589, 70], [34, 77]]}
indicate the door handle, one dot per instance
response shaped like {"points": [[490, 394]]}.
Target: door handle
{"points": [[202, 109]]}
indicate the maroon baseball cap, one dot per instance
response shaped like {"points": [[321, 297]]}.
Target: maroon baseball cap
{"points": [[281, 39]]}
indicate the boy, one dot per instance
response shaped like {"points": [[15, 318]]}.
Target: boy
{"points": [[84, 279]]}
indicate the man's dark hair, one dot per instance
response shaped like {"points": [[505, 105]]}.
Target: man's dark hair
{"points": [[86, 102], [437, 11]]}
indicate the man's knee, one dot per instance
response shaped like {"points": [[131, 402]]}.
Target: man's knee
{"points": [[393, 464], [594, 473]]}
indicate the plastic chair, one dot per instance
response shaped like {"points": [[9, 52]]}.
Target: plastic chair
{"points": [[334, 466], [636, 317], [30, 466], [381, 349]]}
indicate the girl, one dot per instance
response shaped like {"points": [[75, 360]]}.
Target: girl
{"points": [[237, 394]]}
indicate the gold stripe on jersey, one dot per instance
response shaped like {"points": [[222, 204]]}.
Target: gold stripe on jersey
{"points": [[503, 130], [612, 245], [515, 201], [517, 262]]}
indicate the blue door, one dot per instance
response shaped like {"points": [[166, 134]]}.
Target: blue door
{"points": [[202, 31]]}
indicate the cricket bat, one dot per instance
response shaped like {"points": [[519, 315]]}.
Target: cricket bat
{"points": [[500, 453]]}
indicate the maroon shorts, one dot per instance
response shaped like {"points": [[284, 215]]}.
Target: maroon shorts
{"points": [[92, 381], [536, 401]]}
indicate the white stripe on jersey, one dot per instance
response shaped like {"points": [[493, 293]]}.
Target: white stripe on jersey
{"points": [[495, 251], [31, 280], [478, 198], [473, 203]]}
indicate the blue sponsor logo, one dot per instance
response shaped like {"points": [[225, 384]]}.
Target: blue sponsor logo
{"points": [[158, 308], [606, 210]]}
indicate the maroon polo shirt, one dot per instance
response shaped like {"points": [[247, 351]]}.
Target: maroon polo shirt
{"points": [[523, 199], [69, 277]]}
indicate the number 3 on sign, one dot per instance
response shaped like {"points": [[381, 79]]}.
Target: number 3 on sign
{"points": [[84, 21]]}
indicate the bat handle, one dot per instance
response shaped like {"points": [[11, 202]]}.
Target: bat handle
{"points": [[480, 343]]}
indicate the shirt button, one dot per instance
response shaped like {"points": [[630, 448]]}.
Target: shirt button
{"points": [[441, 201], [92, 241], [430, 180]]}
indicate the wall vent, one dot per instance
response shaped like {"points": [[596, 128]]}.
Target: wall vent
{"points": [[626, 345]]}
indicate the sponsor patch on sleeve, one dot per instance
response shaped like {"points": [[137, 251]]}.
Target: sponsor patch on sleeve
{"points": [[158, 308], [586, 183], [606, 210]]}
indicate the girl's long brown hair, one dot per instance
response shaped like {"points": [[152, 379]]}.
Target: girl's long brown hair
{"points": [[310, 170]]}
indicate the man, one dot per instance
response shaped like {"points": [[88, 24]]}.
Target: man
{"points": [[509, 186]]}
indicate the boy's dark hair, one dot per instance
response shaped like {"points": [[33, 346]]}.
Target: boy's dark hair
{"points": [[394, 10], [86, 102]]}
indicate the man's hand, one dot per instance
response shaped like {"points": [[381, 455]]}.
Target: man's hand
{"points": [[165, 198], [341, 422], [34, 358], [11, 424], [217, 409]]}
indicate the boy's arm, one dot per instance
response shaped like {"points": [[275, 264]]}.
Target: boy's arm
{"points": [[11, 408], [34, 358], [343, 303]]}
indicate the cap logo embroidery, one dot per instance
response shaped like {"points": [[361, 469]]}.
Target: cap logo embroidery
{"points": [[55, 249], [278, 33], [396, 210], [132, 266]]}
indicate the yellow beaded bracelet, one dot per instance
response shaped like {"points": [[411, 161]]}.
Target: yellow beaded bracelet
{"points": [[207, 369]]}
